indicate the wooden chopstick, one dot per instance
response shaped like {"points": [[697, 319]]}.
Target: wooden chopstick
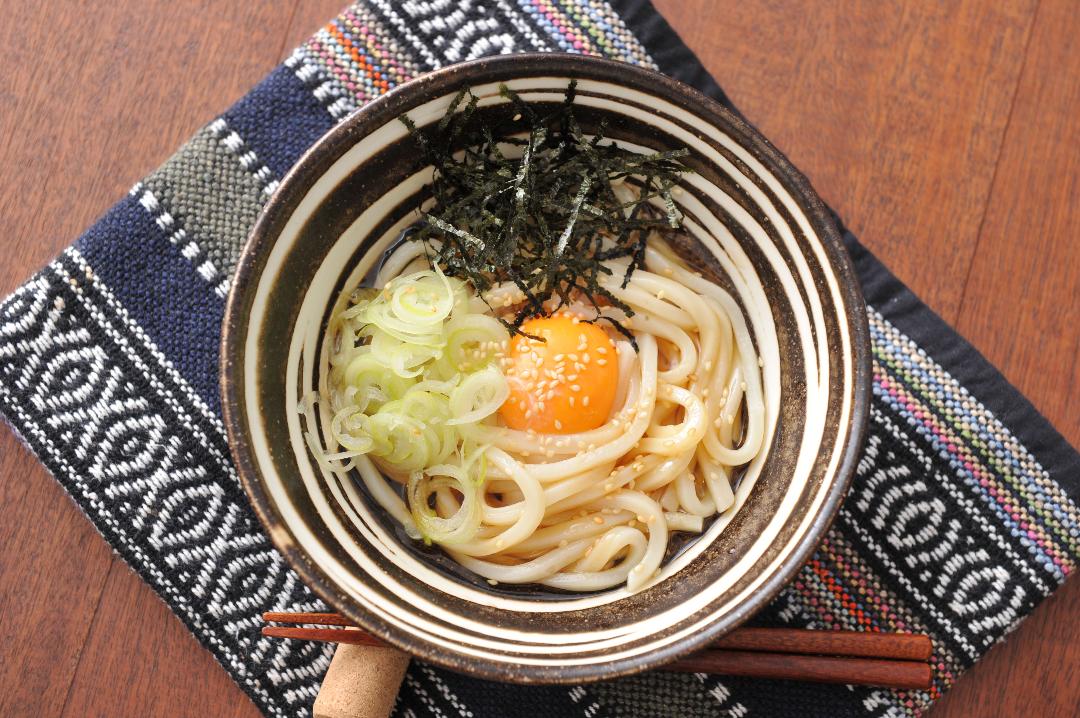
{"points": [[821, 669], [352, 636], [893, 646], [880, 659], [325, 619]]}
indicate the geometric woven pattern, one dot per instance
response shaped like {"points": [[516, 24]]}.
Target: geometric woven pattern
{"points": [[961, 518]]}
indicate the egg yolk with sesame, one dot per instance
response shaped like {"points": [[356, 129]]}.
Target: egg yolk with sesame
{"points": [[564, 384]]}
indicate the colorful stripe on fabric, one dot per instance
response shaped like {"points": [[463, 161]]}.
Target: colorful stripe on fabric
{"points": [[108, 371], [978, 447], [591, 28]]}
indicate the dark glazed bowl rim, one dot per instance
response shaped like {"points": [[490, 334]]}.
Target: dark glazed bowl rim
{"points": [[346, 134]]}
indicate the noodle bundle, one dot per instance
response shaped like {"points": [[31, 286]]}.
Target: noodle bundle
{"points": [[420, 380]]}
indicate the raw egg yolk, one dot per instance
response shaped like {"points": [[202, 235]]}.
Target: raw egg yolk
{"points": [[564, 384]]}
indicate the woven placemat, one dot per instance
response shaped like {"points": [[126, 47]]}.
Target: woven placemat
{"points": [[963, 515]]}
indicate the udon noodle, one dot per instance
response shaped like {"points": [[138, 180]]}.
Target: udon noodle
{"points": [[579, 511]]}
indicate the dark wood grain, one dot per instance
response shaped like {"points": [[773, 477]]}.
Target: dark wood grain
{"points": [[945, 133], [139, 660], [895, 111], [1021, 307], [1021, 302], [47, 550]]}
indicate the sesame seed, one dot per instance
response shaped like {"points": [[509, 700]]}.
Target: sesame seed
{"points": [[598, 520], [572, 400], [575, 387], [558, 424], [584, 401], [601, 362]]}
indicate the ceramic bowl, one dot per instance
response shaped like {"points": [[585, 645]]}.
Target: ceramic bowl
{"points": [[330, 222]]}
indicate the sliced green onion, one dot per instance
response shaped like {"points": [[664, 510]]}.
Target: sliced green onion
{"points": [[412, 370], [479, 396], [461, 526]]}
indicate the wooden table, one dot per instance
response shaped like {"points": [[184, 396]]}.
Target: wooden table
{"points": [[946, 134]]}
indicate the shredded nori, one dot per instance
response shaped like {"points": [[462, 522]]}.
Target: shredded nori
{"points": [[540, 219]]}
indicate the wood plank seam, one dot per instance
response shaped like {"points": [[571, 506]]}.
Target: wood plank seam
{"points": [[997, 164], [86, 636]]}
